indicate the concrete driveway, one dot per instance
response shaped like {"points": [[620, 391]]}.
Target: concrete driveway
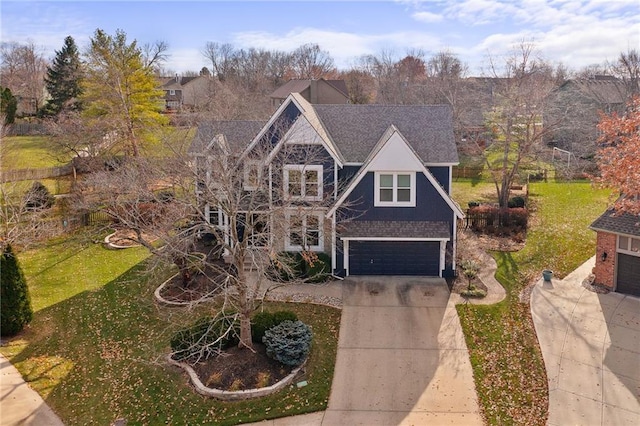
{"points": [[591, 348], [402, 358]]}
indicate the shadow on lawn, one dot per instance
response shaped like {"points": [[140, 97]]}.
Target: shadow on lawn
{"points": [[99, 356]]}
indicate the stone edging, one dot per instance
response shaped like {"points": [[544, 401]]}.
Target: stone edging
{"points": [[234, 395], [162, 300], [116, 246]]}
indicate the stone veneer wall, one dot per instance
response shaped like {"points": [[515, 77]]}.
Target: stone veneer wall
{"points": [[605, 270]]}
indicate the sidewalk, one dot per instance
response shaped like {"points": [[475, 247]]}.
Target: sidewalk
{"points": [[591, 348], [19, 404]]}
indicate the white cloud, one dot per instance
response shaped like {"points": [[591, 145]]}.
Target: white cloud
{"points": [[427, 17]]}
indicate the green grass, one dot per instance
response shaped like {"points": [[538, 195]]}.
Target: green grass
{"points": [[508, 367], [95, 349], [28, 152]]}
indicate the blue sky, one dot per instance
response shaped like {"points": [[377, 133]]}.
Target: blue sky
{"points": [[575, 32]]}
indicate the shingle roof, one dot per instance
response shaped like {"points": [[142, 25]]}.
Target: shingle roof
{"points": [[291, 86], [237, 133], [355, 129], [395, 229], [604, 91], [625, 223]]}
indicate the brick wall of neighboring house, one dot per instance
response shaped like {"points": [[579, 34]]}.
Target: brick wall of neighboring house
{"points": [[605, 270]]}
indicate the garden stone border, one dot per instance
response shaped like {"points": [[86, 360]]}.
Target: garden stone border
{"points": [[109, 244], [235, 395], [163, 301]]}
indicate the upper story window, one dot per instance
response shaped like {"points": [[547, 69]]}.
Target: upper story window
{"points": [[303, 182], [252, 175], [395, 189], [172, 92]]}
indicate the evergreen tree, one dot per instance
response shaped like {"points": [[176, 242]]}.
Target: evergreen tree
{"points": [[63, 79], [15, 309], [8, 105]]}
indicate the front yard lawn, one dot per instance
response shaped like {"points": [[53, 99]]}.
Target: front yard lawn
{"points": [[95, 349], [508, 367]]}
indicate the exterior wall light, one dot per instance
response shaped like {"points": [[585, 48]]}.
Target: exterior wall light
{"points": [[603, 257]]}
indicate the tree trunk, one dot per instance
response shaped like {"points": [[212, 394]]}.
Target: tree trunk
{"points": [[245, 331]]}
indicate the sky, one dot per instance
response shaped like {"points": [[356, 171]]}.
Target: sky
{"points": [[577, 33]]}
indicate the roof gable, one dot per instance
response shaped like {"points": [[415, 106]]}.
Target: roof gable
{"points": [[392, 139], [237, 135]]}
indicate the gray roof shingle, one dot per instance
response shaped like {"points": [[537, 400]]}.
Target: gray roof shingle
{"points": [[355, 129], [624, 223], [238, 134], [395, 229]]}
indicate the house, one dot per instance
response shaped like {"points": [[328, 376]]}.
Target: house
{"points": [[579, 102], [182, 93], [618, 252], [369, 184], [314, 91]]}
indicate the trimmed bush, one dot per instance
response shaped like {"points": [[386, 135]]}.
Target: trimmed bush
{"points": [[263, 321], [516, 202], [38, 197], [289, 342], [293, 266], [15, 303], [206, 338]]}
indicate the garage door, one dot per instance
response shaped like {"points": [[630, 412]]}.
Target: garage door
{"points": [[628, 274], [394, 258]]}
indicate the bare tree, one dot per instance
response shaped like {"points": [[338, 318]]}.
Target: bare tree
{"points": [[23, 69], [221, 57], [522, 88], [627, 68], [237, 200], [311, 62]]}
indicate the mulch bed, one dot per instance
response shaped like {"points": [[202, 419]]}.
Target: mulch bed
{"points": [[241, 369], [207, 284], [127, 238]]}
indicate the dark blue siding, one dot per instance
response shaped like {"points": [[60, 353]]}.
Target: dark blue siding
{"points": [[442, 176], [429, 204]]}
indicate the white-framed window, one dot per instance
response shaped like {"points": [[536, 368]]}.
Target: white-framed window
{"points": [[172, 92], [214, 216], [395, 189], [629, 245], [257, 229], [304, 231], [303, 182], [252, 175]]}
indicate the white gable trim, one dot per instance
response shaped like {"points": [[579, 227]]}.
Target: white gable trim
{"points": [[290, 99], [303, 127], [369, 166]]}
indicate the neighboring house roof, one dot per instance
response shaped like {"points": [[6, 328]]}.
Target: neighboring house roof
{"points": [[602, 90], [395, 229], [356, 129], [298, 86], [625, 223], [238, 134]]}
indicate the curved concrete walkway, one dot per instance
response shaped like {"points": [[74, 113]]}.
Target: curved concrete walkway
{"points": [[591, 348], [19, 404]]}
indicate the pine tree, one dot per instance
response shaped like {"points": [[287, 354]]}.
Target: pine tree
{"points": [[63, 79], [8, 105], [15, 303]]}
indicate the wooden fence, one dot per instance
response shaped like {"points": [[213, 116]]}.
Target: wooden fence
{"points": [[25, 129], [36, 174], [467, 172], [95, 218]]}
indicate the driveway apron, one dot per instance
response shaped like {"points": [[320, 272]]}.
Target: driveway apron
{"points": [[402, 358]]}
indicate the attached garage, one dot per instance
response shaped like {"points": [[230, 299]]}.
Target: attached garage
{"points": [[628, 280], [394, 258], [618, 252], [395, 248]]}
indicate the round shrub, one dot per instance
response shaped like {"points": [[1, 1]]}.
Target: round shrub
{"points": [[289, 342], [15, 311], [206, 338], [320, 270], [263, 321], [516, 202]]}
